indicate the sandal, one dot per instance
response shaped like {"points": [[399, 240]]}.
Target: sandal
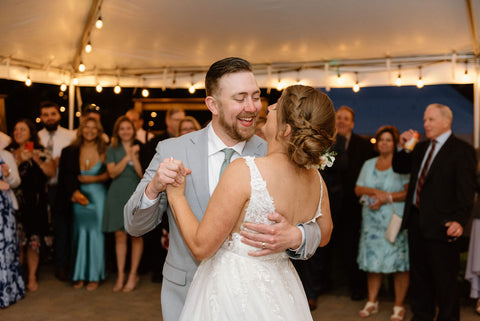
{"points": [[398, 313], [369, 309]]}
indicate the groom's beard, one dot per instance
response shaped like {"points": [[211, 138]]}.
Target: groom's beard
{"points": [[234, 130], [51, 127]]}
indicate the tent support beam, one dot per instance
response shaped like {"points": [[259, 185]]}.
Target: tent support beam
{"points": [[473, 28], [92, 16], [476, 105]]}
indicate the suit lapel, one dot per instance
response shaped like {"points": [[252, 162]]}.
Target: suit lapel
{"points": [[441, 156], [197, 157]]}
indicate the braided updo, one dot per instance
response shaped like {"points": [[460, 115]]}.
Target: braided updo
{"points": [[311, 117]]}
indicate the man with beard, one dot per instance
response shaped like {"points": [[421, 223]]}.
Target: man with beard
{"points": [[55, 138], [233, 97]]}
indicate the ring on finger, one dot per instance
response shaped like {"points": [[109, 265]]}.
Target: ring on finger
{"points": [[263, 245]]}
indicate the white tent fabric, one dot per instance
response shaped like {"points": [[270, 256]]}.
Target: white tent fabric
{"points": [[171, 43], [146, 42]]}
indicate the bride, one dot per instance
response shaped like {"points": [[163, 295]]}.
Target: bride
{"points": [[229, 284]]}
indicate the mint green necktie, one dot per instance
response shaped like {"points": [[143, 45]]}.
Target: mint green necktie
{"points": [[228, 155]]}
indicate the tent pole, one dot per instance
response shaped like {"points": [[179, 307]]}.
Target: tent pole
{"points": [[71, 105]]}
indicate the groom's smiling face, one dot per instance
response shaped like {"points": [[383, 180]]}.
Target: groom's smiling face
{"points": [[238, 104]]}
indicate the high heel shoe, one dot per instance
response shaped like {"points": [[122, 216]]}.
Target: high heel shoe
{"points": [[398, 313], [369, 309], [130, 286]]}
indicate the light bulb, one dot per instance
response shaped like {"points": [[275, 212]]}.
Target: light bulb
{"points": [[117, 89], [62, 109], [81, 67], [339, 79], [145, 92], [399, 81], [356, 87], [151, 123], [78, 114], [75, 81], [191, 89], [465, 75], [63, 87], [28, 82], [420, 83], [99, 88], [153, 114], [38, 120], [88, 47], [99, 23]]}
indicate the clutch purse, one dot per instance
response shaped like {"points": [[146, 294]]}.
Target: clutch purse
{"points": [[394, 225]]}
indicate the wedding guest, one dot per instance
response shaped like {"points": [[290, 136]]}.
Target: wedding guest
{"points": [[136, 117], [12, 287], [187, 125], [82, 174], [382, 190], [123, 167], [472, 273], [55, 138], [438, 204], [35, 169]]}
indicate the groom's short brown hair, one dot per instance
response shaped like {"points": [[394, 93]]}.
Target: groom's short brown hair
{"points": [[223, 67]]}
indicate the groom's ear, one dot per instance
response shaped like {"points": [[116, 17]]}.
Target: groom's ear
{"points": [[212, 105]]}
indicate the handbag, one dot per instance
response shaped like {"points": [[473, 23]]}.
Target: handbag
{"points": [[394, 225]]}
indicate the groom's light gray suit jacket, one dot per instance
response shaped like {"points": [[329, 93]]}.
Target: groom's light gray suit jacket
{"points": [[180, 265]]}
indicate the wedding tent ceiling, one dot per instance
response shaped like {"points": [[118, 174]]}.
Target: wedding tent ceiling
{"points": [[171, 43]]}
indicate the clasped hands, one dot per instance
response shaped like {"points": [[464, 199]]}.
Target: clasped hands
{"points": [[380, 197], [170, 176]]}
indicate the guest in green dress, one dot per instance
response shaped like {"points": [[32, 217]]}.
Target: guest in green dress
{"points": [[88, 203], [376, 255], [124, 168]]}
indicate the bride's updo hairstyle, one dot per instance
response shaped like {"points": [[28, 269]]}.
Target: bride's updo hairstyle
{"points": [[311, 117]]}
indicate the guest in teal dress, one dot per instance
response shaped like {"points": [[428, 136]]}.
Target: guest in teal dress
{"points": [[88, 204], [376, 255], [123, 166]]}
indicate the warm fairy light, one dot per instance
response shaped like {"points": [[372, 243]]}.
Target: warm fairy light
{"points": [[62, 109], [399, 80], [63, 87], [99, 88], [373, 140], [75, 81], [81, 67], [153, 114], [38, 120], [99, 23], [339, 79], [191, 89], [28, 81], [88, 47], [117, 89], [356, 87], [151, 123], [420, 82], [145, 92], [78, 114]]}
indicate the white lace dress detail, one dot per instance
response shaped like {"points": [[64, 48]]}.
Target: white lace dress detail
{"points": [[231, 285]]}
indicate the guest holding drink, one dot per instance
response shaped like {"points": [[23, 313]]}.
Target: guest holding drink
{"points": [[35, 168], [123, 167], [382, 190]]}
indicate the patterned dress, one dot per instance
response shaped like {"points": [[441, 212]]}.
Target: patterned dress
{"points": [[12, 287], [375, 253]]}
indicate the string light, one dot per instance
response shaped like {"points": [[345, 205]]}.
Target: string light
{"points": [[28, 81], [75, 81], [99, 88], [356, 87], [339, 77], [117, 89], [420, 81], [99, 22], [191, 89], [62, 109], [145, 92], [153, 114], [399, 77], [81, 67], [279, 84], [63, 87], [465, 75], [88, 47]]}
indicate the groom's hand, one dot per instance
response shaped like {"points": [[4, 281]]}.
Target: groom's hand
{"points": [[272, 238], [170, 171]]}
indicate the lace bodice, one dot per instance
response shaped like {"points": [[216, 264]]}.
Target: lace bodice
{"points": [[261, 204]]}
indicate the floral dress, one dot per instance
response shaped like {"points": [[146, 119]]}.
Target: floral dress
{"points": [[375, 253]]}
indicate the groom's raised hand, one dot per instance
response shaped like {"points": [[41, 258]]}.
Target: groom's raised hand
{"points": [[170, 171], [275, 238]]}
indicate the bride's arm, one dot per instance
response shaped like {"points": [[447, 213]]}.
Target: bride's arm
{"points": [[325, 220], [223, 210]]}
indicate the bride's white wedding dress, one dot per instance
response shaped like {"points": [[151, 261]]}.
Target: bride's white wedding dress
{"points": [[231, 285]]}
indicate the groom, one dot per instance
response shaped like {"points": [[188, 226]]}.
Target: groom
{"points": [[233, 97]]}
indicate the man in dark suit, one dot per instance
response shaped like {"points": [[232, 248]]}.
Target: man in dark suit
{"points": [[347, 216], [438, 204]]}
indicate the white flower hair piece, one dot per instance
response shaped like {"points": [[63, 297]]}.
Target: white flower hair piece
{"points": [[327, 159]]}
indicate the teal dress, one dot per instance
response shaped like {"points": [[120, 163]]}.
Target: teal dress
{"points": [[88, 239], [120, 190], [375, 253]]}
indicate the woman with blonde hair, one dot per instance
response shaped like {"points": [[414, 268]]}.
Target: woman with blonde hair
{"points": [[123, 167], [82, 176]]}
